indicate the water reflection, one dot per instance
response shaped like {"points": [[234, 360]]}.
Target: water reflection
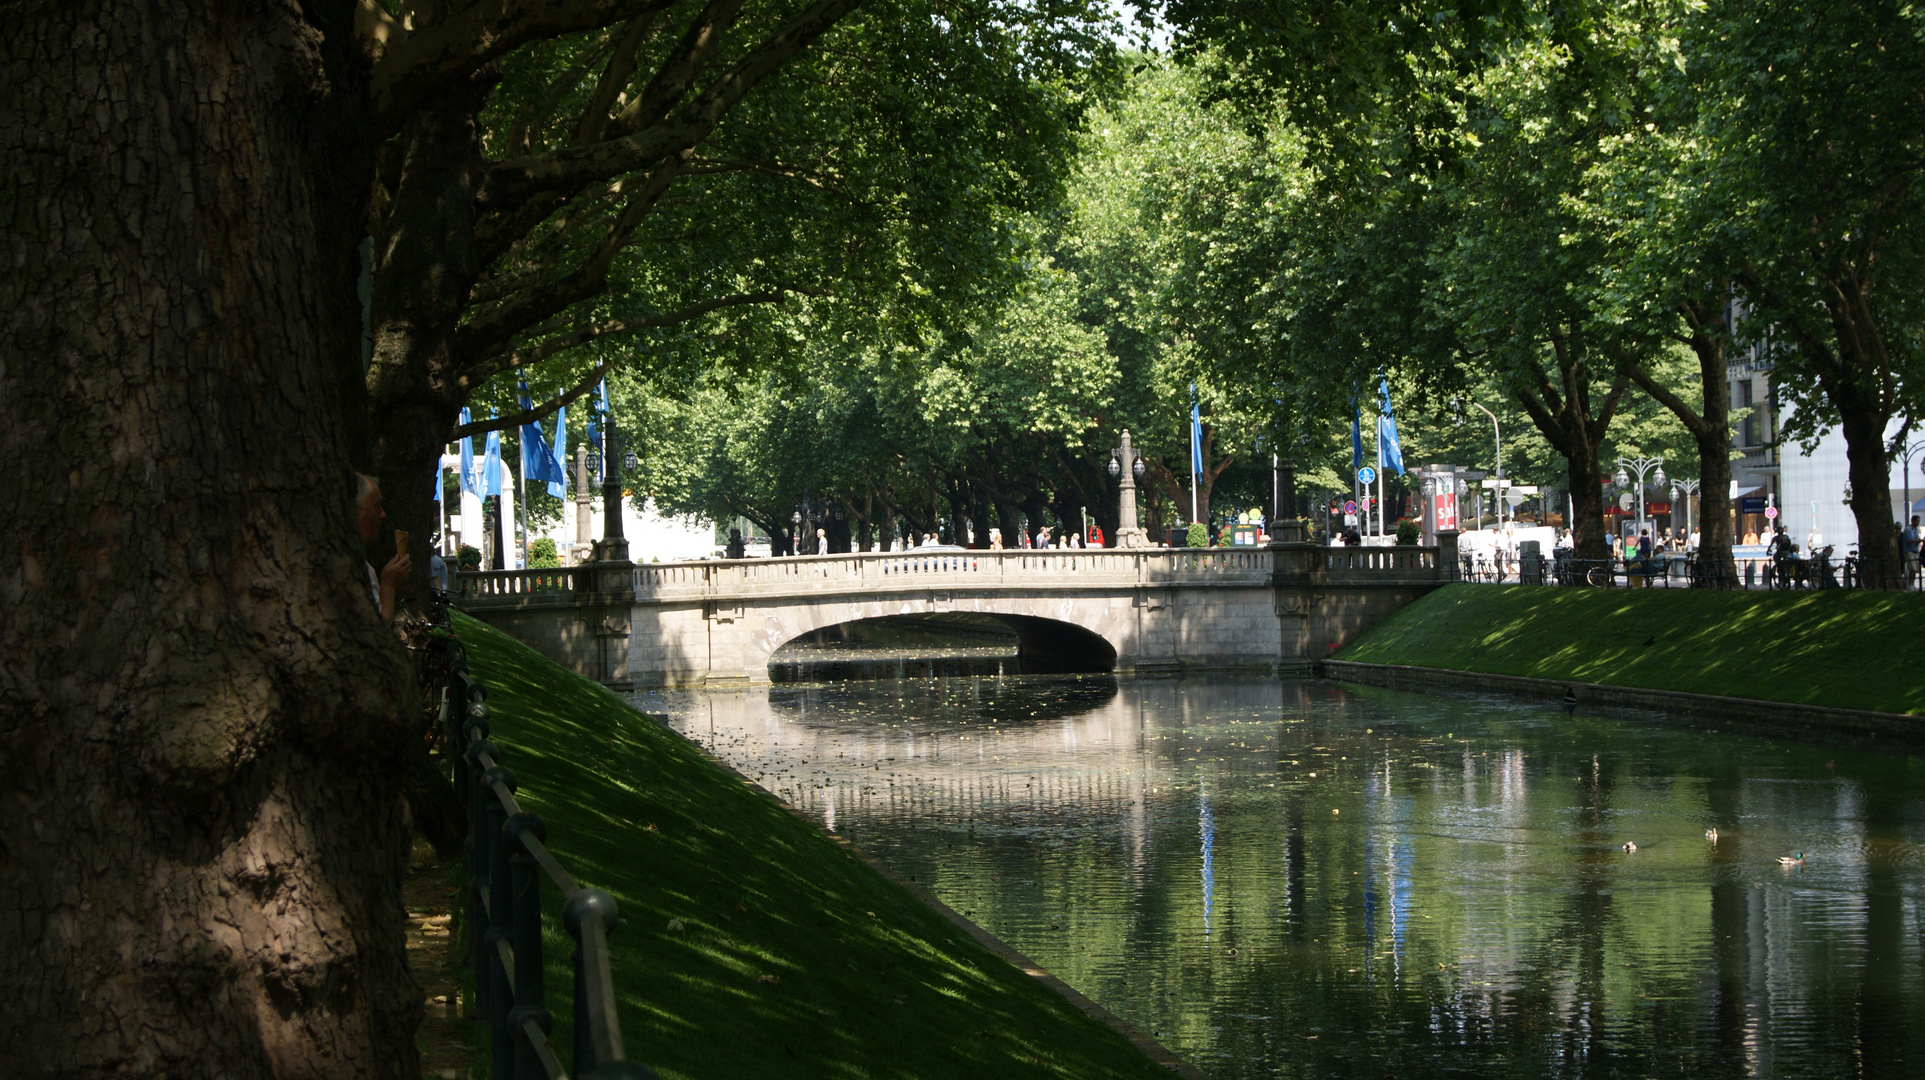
{"points": [[1307, 880]]}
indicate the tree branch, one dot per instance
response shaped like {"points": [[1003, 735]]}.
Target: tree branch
{"points": [[621, 66], [540, 412], [677, 73], [486, 334], [514, 181], [475, 373], [418, 66]]}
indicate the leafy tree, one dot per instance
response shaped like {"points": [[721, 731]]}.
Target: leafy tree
{"points": [[619, 171], [1808, 145]]}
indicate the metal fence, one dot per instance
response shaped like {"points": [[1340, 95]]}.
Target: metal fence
{"points": [[1687, 570], [507, 861]]}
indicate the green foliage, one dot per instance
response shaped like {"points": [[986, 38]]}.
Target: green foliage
{"points": [[1851, 650], [541, 553], [1197, 535], [786, 956], [1408, 532], [469, 558]]}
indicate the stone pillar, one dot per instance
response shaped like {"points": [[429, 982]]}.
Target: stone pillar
{"points": [[1449, 568], [1300, 576], [609, 580], [584, 505], [1285, 527]]}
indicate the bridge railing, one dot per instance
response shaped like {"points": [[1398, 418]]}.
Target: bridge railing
{"points": [[897, 569], [1381, 560], [489, 584]]}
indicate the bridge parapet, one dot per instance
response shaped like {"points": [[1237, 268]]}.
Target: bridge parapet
{"points": [[894, 571], [485, 585]]}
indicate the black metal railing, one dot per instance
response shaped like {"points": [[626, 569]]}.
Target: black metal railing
{"points": [[507, 860], [1689, 570]]}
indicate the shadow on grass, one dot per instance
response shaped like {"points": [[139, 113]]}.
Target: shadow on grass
{"points": [[793, 959], [1849, 650]]}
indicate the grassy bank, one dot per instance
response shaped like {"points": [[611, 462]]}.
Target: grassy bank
{"points": [[1854, 650], [792, 958]]}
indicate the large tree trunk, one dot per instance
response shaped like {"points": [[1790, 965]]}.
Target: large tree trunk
{"points": [[1850, 383], [1562, 413], [425, 266], [199, 706], [1710, 428]]}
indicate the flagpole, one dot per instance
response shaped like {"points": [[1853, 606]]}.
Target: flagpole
{"points": [[1195, 461], [521, 509], [1380, 474]]}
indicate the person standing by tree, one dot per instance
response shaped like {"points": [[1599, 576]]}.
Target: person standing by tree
{"points": [[1908, 548], [381, 587]]}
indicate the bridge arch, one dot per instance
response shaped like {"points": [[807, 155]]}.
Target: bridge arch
{"points": [[1054, 633], [1040, 645]]}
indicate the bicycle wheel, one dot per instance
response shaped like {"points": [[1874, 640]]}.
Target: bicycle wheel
{"points": [[1600, 577]]}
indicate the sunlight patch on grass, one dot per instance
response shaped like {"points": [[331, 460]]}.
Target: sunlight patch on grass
{"points": [[1851, 650], [758, 893]]}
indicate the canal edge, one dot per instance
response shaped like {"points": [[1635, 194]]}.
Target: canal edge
{"points": [[1863, 729], [1146, 1045]]}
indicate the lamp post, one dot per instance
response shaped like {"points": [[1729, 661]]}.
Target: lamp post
{"points": [[1497, 439], [1684, 487], [613, 546], [1640, 465], [1905, 477], [1127, 468], [584, 527]]}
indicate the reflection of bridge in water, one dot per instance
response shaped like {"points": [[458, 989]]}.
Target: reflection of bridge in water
{"points": [[1269, 609], [1240, 862]]}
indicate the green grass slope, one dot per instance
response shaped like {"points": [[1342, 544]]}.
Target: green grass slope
{"points": [[797, 960], [1852, 650]]}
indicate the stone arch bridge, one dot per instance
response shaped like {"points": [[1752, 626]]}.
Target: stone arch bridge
{"points": [[715, 622]]}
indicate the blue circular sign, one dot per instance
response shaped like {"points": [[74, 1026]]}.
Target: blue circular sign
{"points": [[1349, 506], [1366, 475]]}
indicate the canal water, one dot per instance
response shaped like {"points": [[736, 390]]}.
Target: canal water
{"points": [[1309, 880]]}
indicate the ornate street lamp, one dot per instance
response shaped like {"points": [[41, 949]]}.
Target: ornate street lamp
{"points": [[1684, 488], [613, 546], [1127, 468], [1641, 466]]}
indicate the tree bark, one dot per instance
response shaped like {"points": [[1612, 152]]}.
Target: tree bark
{"points": [[1562, 413], [200, 710], [1706, 332]]}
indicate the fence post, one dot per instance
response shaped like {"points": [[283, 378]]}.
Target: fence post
{"points": [[501, 1060], [584, 905], [530, 1000], [476, 843]]}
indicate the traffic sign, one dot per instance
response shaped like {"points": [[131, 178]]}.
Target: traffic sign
{"points": [[1625, 500], [1366, 475], [1771, 513], [1350, 506]]}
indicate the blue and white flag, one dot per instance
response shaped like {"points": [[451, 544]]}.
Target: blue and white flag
{"points": [[559, 488], [1390, 452], [491, 467], [537, 459], [1356, 437], [1196, 435], [470, 471]]}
